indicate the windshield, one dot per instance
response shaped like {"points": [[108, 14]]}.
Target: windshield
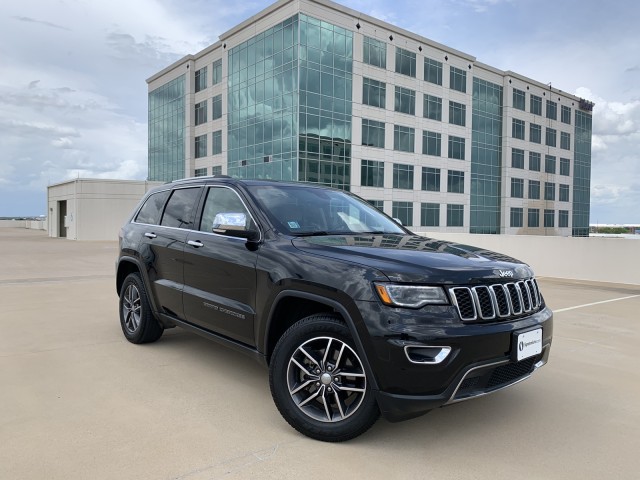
{"points": [[303, 211]]}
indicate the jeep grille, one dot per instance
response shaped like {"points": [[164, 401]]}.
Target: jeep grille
{"points": [[497, 302]]}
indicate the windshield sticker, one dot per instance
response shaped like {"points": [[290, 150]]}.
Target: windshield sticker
{"points": [[293, 225]]}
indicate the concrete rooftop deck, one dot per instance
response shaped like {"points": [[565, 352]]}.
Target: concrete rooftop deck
{"points": [[77, 401]]}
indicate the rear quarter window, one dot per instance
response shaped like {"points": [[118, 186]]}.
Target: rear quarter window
{"points": [[152, 208]]}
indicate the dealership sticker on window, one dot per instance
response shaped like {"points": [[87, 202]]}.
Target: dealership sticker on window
{"points": [[293, 225]]}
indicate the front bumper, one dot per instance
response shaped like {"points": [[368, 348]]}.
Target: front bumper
{"points": [[481, 358]]}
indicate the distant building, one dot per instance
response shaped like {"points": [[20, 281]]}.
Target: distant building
{"points": [[313, 91]]}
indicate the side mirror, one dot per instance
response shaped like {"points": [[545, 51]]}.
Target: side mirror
{"points": [[234, 225], [398, 221]]}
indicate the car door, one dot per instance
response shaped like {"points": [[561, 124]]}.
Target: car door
{"points": [[220, 270], [162, 249]]}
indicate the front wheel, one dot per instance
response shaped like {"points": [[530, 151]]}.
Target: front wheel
{"points": [[318, 381], [136, 318]]}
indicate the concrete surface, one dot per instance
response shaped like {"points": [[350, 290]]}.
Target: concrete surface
{"points": [[77, 401]]}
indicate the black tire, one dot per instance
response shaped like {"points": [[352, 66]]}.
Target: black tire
{"points": [[314, 392], [136, 318]]}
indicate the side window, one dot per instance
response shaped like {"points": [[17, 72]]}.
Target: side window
{"points": [[221, 200], [152, 208], [179, 211]]}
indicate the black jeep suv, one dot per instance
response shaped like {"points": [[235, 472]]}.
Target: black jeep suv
{"points": [[353, 314]]}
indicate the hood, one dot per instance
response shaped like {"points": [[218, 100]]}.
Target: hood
{"points": [[415, 259]]}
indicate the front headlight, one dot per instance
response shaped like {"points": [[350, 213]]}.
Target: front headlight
{"points": [[411, 296]]}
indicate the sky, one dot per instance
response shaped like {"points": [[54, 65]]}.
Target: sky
{"points": [[73, 96]]}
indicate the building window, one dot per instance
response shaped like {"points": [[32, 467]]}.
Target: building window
{"points": [[403, 176], [404, 138], [456, 147], [372, 173], [455, 181], [517, 188], [431, 143], [533, 220], [217, 170], [565, 167], [455, 215], [372, 133], [535, 105], [458, 79], [519, 98], [516, 215], [549, 218], [216, 142], [375, 52], [565, 114], [430, 179], [405, 101], [517, 158], [565, 141], [405, 62], [432, 71], [550, 138], [201, 112], [374, 93], [535, 133], [534, 189], [403, 211], [432, 107], [549, 191], [201, 79], [379, 204], [217, 107], [563, 193], [457, 113], [534, 161], [201, 172], [549, 164], [517, 128], [217, 72], [201, 146], [563, 218], [552, 110], [430, 214]]}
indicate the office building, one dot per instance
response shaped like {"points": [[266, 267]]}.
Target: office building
{"points": [[312, 91]]}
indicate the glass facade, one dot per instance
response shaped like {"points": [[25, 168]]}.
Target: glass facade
{"points": [[262, 104], [326, 65], [581, 173], [290, 100], [486, 157], [166, 131]]}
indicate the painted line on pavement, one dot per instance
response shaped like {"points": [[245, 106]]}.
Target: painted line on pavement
{"points": [[595, 303]]}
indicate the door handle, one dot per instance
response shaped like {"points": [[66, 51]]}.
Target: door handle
{"points": [[196, 243], [150, 235]]}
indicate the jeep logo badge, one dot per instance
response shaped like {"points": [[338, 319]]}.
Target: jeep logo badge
{"points": [[505, 273]]}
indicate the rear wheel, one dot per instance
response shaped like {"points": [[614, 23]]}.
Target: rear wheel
{"points": [[136, 318], [319, 383]]}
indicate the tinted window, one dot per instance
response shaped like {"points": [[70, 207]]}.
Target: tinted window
{"points": [[179, 211], [221, 200], [152, 208]]}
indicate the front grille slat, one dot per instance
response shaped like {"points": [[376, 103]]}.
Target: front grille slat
{"points": [[498, 301]]}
